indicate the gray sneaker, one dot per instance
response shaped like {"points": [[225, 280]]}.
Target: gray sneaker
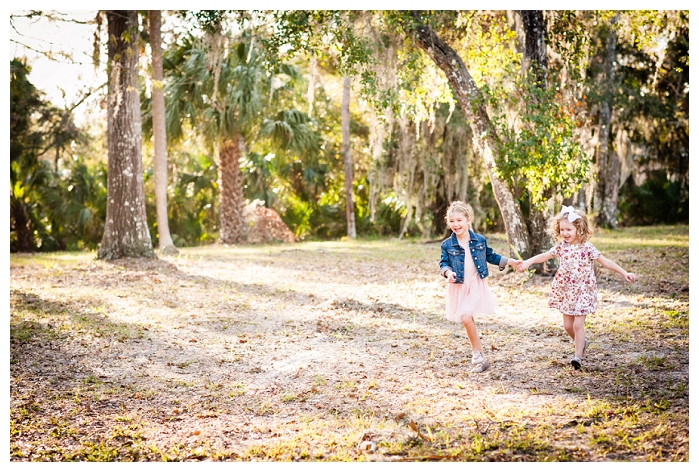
{"points": [[576, 362], [587, 343]]}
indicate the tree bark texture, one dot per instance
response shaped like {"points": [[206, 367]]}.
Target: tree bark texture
{"points": [[535, 60], [485, 139], [602, 153], [535, 57], [126, 228], [21, 225], [165, 244], [230, 211], [606, 195], [349, 194], [611, 198]]}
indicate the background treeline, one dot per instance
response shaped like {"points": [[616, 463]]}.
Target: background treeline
{"points": [[411, 145]]}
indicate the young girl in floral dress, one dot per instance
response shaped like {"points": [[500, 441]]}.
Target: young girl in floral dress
{"points": [[574, 288]]}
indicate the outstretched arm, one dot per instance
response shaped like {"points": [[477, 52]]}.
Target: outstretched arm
{"points": [[611, 265], [543, 257]]}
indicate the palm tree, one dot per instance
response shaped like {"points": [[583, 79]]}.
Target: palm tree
{"points": [[165, 243], [224, 99]]}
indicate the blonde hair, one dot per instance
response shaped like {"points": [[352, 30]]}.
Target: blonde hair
{"points": [[459, 207], [581, 224]]}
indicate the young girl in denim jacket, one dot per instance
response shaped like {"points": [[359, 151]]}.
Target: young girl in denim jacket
{"points": [[465, 256], [574, 288]]}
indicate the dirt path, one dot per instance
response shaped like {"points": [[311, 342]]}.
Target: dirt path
{"points": [[337, 351]]}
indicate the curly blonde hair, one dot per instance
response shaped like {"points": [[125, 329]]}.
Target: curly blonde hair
{"points": [[458, 206], [581, 224]]}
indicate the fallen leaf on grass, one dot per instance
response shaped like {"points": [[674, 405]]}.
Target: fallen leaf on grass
{"points": [[192, 340], [415, 428]]}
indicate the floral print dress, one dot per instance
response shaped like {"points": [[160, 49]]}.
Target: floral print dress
{"points": [[574, 288]]}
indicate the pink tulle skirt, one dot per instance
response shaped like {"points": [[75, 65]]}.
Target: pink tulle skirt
{"points": [[473, 297]]}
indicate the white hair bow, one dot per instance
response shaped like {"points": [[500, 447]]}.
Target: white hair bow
{"points": [[572, 216]]}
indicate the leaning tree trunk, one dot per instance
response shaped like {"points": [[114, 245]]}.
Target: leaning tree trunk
{"points": [[535, 60], [126, 228], [230, 210], [165, 244], [485, 139], [608, 166], [349, 194]]}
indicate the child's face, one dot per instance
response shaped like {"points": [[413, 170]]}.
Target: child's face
{"points": [[459, 223], [569, 232]]}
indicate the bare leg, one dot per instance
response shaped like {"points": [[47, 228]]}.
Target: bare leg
{"points": [[568, 321], [579, 328], [472, 333]]}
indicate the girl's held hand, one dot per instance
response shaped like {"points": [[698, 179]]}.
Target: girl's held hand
{"points": [[524, 265], [451, 276]]}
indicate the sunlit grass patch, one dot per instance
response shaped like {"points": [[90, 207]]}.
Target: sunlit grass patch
{"points": [[641, 236], [53, 259], [288, 397], [654, 362], [676, 319], [65, 318]]}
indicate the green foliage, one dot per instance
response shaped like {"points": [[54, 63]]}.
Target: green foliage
{"points": [[542, 153], [27, 173], [48, 210], [569, 35], [192, 215], [652, 104], [77, 205], [293, 160], [656, 201]]}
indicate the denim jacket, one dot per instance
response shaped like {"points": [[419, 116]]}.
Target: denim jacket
{"points": [[453, 256]]}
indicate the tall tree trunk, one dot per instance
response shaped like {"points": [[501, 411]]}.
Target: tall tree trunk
{"points": [[535, 60], [230, 211], [485, 139], [21, 225], [165, 244], [311, 84], [126, 228], [608, 166], [349, 194], [611, 197]]}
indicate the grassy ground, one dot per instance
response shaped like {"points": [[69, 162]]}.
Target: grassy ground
{"points": [[339, 351]]}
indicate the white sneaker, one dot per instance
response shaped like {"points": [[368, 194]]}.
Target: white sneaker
{"points": [[480, 363]]}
